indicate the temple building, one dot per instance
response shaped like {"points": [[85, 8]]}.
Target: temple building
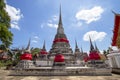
{"points": [[116, 30], [60, 52], [60, 59], [43, 65], [77, 52], [26, 58], [61, 43], [114, 56], [43, 53], [94, 52]]}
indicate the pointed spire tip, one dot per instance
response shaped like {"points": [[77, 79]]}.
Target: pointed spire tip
{"points": [[60, 16], [76, 44], [44, 48]]}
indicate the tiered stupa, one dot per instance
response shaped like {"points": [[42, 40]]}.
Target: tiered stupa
{"points": [[77, 53], [94, 54], [61, 43], [26, 59], [43, 53], [26, 55]]}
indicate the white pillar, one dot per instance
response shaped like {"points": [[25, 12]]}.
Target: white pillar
{"points": [[116, 61], [110, 61]]}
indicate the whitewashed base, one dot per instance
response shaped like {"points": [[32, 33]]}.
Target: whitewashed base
{"points": [[63, 72]]}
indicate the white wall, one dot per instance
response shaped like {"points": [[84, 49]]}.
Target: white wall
{"points": [[114, 59]]}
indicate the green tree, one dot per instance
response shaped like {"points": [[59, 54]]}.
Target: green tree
{"points": [[5, 33], [35, 51], [105, 53]]}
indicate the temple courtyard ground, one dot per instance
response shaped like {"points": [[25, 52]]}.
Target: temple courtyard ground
{"points": [[4, 76]]}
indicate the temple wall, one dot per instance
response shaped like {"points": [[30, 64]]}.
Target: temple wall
{"points": [[44, 63], [114, 60], [24, 64]]}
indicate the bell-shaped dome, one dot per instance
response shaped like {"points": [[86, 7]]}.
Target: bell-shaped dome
{"points": [[59, 58], [43, 52], [94, 55], [26, 56]]}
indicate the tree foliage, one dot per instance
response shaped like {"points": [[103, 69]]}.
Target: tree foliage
{"points": [[5, 33], [35, 51]]}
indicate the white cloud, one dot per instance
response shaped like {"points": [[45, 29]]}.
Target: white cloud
{"points": [[51, 22], [55, 18], [35, 39], [14, 24], [90, 15], [52, 25], [42, 25], [77, 24], [94, 36], [15, 15]]}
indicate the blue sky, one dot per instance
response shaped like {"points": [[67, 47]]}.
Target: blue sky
{"points": [[38, 19]]}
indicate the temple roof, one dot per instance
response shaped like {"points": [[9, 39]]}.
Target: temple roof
{"points": [[117, 14], [116, 29]]}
